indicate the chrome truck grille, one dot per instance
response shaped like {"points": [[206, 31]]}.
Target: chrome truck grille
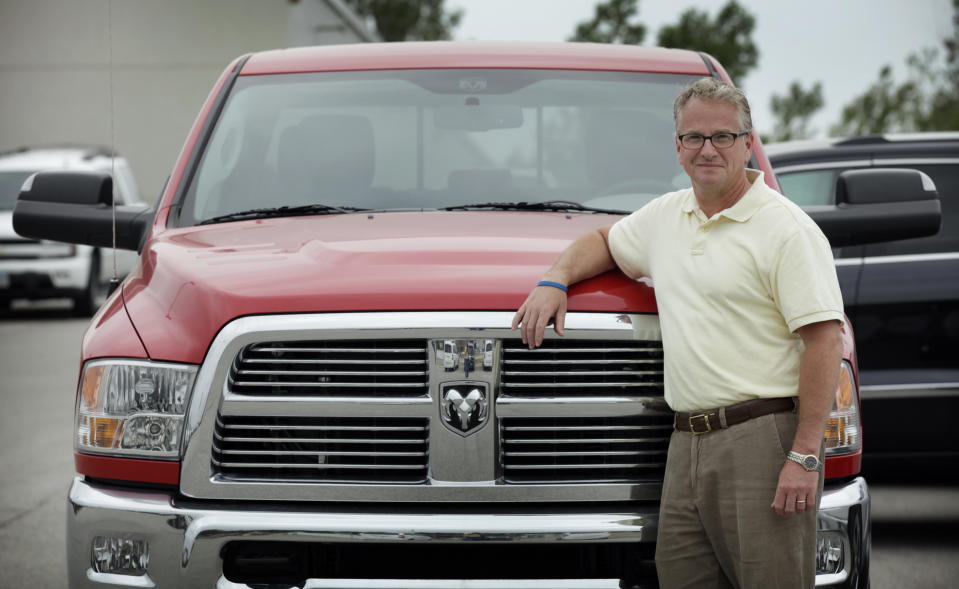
{"points": [[371, 368], [428, 407], [322, 449], [537, 450]]}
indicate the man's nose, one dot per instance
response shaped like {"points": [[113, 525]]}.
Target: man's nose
{"points": [[708, 148]]}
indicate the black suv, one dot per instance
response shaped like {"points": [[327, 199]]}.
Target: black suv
{"points": [[901, 296]]}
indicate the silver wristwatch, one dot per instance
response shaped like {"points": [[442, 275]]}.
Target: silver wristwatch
{"points": [[809, 462]]}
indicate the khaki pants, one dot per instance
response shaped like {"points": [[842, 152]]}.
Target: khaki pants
{"points": [[716, 526]]}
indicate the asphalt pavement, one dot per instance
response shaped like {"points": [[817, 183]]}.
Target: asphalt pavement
{"points": [[915, 524]]}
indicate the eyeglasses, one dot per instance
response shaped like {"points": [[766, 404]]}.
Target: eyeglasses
{"points": [[719, 140]]}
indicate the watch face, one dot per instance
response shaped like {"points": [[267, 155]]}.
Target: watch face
{"points": [[810, 462]]}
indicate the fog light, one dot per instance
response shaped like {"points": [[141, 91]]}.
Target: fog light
{"points": [[830, 548], [119, 556]]}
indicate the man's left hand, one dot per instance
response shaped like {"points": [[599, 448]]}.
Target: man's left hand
{"points": [[796, 491]]}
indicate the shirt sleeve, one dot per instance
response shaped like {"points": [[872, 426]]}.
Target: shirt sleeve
{"points": [[629, 240], [805, 284]]}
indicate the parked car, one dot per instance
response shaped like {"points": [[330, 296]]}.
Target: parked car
{"points": [[902, 296], [275, 396], [41, 269]]}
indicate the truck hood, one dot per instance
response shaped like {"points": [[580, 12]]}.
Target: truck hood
{"points": [[193, 281]]}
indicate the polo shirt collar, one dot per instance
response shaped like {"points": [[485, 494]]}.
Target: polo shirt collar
{"points": [[744, 208]]}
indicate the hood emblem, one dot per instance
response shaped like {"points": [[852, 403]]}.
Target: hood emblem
{"points": [[465, 407]]}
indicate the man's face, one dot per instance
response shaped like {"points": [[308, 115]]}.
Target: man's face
{"points": [[709, 168]]}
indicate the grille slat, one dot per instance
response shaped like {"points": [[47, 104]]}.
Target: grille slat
{"points": [[306, 453], [588, 428], [329, 349], [326, 428], [581, 441], [329, 373], [603, 453], [326, 385], [301, 466], [558, 347], [577, 385], [366, 368], [623, 466], [321, 449], [585, 372]]}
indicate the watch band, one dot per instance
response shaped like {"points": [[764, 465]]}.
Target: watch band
{"points": [[809, 462]]}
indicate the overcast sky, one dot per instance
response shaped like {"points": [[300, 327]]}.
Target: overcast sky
{"points": [[841, 43]]}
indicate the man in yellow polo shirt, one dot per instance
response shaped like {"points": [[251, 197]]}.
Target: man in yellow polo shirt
{"points": [[751, 313]]}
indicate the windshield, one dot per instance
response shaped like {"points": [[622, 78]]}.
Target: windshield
{"points": [[430, 139], [10, 183]]}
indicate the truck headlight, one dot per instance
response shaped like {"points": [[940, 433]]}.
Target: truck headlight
{"points": [[132, 407], [843, 430]]}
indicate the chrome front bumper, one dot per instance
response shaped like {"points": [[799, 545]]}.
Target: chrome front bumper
{"points": [[185, 544]]}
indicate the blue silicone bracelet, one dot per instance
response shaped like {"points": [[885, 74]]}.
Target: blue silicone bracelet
{"points": [[562, 287]]}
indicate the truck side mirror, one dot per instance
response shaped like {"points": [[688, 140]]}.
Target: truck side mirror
{"points": [[880, 205], [75, 207]]}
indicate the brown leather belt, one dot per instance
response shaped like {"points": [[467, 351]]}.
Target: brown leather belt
{"points": [[701, 422]]}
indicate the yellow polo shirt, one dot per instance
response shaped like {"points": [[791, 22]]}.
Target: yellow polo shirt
{"points": [[731, 290]]}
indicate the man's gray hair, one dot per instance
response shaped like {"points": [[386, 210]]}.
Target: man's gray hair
{"points": [[716, 90]]}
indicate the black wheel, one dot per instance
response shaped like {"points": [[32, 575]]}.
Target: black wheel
{"points": [[85, 303]]}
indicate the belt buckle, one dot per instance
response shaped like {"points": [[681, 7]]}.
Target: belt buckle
{"points": [[705, 418]]}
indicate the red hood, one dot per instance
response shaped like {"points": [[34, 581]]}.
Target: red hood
{"points": [[193, 281]]}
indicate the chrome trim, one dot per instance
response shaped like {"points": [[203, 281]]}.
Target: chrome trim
{"points": [[449, 584], [918, 161], [838, 506], [910, 391], [827, 165], [119, 580], [864, 163], [507, 406], [457, 464], [912, 258]]}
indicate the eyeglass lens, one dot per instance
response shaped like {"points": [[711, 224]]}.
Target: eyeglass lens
{"points": [[720, 140]]}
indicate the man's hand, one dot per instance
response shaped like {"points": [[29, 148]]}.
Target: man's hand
{"points": [[796, 491], [545, 303], [586, 257]]}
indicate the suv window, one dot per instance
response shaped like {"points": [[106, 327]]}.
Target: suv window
{"points": [[10, 183], [810, 187]]}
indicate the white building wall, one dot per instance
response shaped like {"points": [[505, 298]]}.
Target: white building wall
{"points": [[134, 73]]}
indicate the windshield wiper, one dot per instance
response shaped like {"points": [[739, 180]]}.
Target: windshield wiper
{"points": [[546, 205], [284, 211]]}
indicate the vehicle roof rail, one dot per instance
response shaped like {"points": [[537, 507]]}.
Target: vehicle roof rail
{"points": [[863, 140]]}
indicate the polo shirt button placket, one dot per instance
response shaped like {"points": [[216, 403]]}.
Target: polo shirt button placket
{"points": [[699, 241]]}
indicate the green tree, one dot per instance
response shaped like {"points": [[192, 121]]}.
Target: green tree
{"points": [[793, 112], [611, 24], [883, 107], [408, 20], [728, 38], [943, 107], [928, 100]]}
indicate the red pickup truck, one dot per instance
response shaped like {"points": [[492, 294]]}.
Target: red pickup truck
{"points": [[310, 380]]}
